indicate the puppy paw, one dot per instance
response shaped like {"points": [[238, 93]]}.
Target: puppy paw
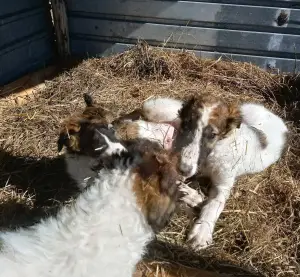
{"points": [[200, 236], [190, 196]]}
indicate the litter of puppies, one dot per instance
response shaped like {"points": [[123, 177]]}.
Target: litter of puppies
{"points": [[259, 225]]}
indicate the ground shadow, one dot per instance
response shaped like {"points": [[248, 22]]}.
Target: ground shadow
{"points": [[287, 95], [44, 182], [164, 251]]}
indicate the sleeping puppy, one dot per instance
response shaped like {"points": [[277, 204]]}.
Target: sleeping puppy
{"points": [[81, 148], [84, 145]]}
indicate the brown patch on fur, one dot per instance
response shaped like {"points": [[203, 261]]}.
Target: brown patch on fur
{"points": [[68, 135], [134, 115], [261, 137], [155, 187], [191, 110], [234, 119], [78, 135], [155, 182], [148, 268], [127, 130], [95, 111], [225, 118]]}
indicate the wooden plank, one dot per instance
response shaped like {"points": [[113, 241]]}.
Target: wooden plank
{"points": [[231, 40], [61, 27], [191, 12], [24, 88], [101, 48], [28, 83]]}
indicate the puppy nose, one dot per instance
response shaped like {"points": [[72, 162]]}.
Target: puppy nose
{"points": [[186, 170]]}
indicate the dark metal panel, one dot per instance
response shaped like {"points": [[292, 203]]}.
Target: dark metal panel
{"points": [[25, 57], [247, 30], [8, 8], [265, 3], [26, 37], [15, 28], [248, 42], [188, 13]]}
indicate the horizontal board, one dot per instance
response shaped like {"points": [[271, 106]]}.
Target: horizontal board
{"points": [[25, 57], [102, 48], [188, 13], [278, 45], [267, 3], [16, 28], [26, 37], [8, 8]]}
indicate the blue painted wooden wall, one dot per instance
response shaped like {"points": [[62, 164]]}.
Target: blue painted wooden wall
{"points": [[245, 30], [26, 37]]}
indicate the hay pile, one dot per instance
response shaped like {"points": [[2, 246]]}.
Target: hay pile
{"points": [[259, 228]]}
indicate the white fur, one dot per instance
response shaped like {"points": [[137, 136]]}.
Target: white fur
{"points": [[112, 147], [162, 110], [190, 153], [103, 233], [157, 132], [238, 154], [190, 197]]}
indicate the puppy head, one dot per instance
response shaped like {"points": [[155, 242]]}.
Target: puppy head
{"points": [[156, 188], [155, 179], [84, 137], [204, 121]]}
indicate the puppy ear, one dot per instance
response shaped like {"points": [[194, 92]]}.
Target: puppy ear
{"points": [[89, 101], [168, 174], [68, 136], [186, 107], [62, 141], [70, 141], [233, 120]]}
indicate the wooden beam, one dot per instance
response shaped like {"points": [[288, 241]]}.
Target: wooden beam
{"points": [[29, 81], [60, 20]]}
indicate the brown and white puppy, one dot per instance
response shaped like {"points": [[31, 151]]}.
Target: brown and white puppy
{"points": [[225, 141], [155, 178], [108, 226], [88, 142], [204, 121], [80, 152]]}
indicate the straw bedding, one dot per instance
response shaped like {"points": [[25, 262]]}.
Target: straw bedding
{"points": [[259, 228]]}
